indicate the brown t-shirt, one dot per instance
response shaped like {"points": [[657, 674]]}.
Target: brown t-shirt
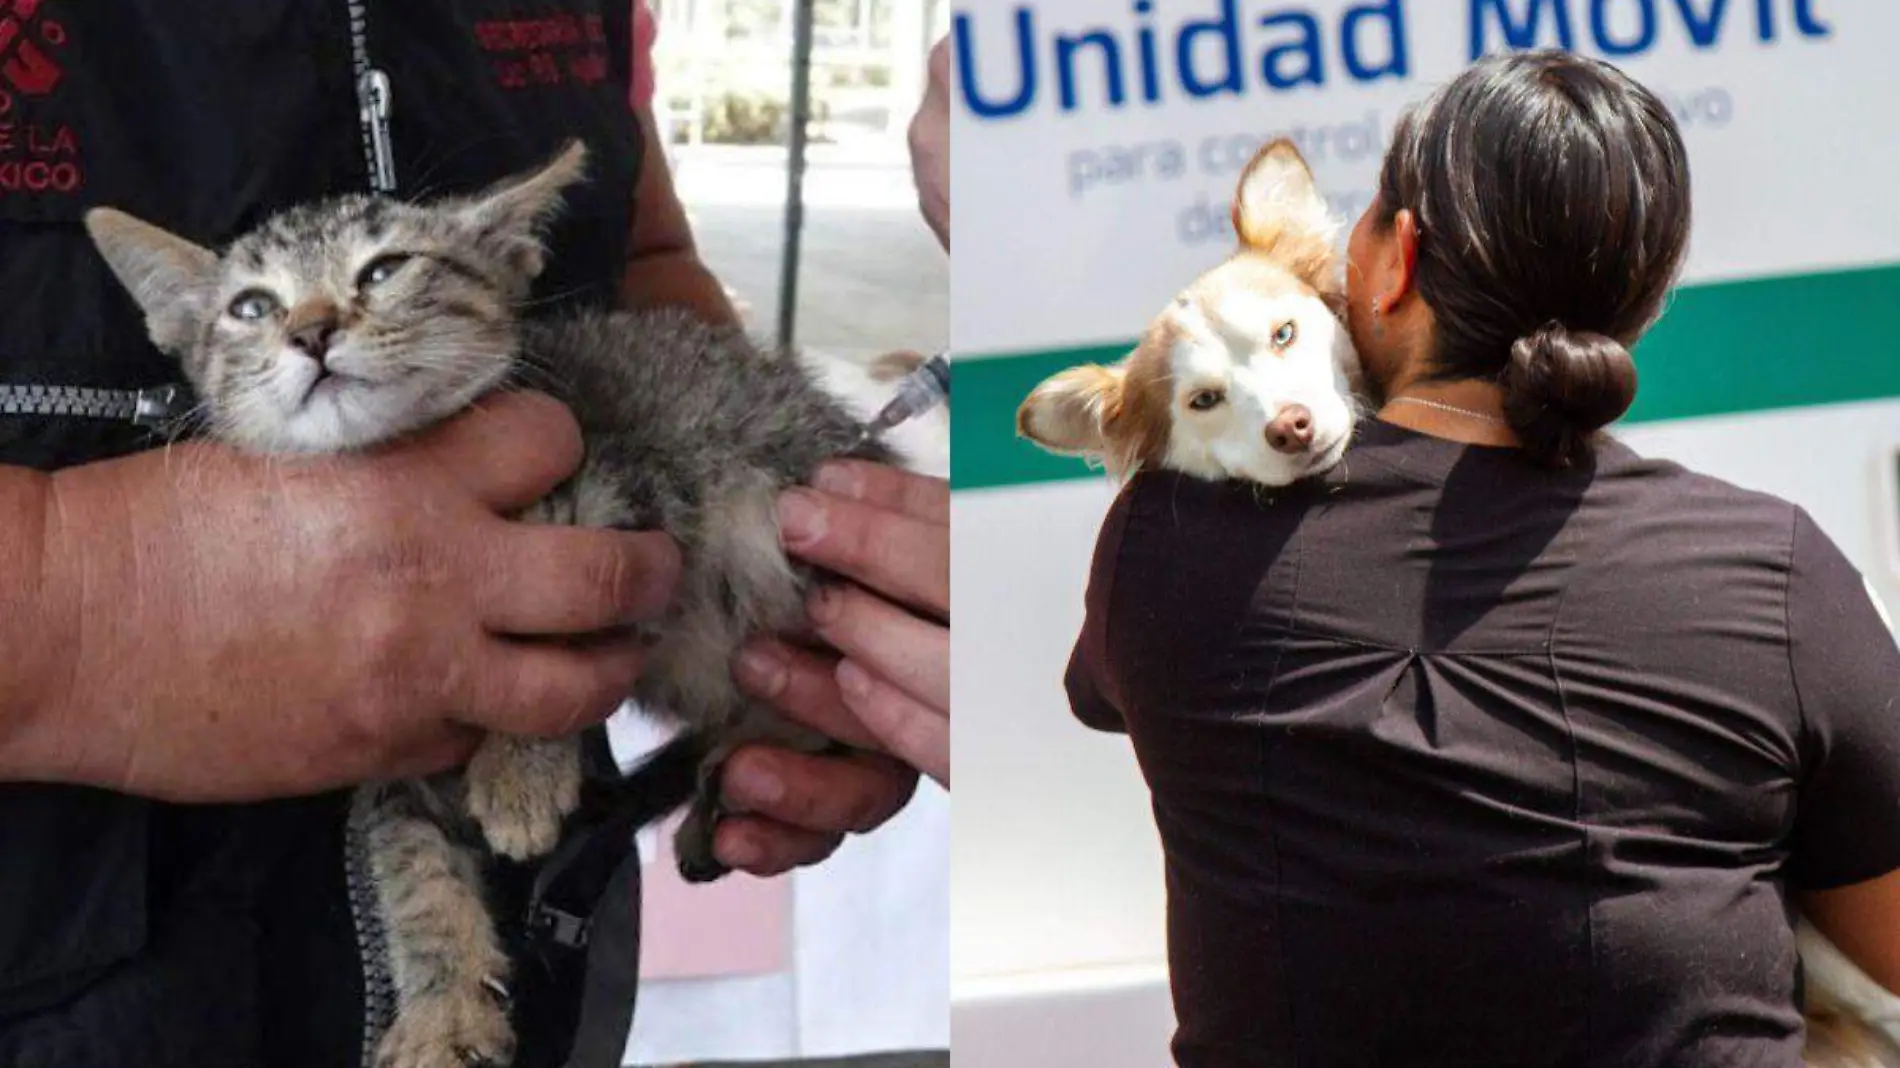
{"points": [[1461, 763]]}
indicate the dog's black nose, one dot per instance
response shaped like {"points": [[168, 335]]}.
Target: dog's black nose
{"points": [[1291, 432]]}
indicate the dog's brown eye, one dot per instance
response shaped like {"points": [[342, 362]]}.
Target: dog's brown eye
{"points": [[1286, 335], [1206, 400], [252, 305], [381, 269]]}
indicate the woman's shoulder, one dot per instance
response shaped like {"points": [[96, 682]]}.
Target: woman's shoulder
{"points": [[1189, 498], [1676, 487], [1384, 454], [1388, 469]]}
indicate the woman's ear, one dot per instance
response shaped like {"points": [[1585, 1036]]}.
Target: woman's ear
{"points": [[1069, 413], [1405, 257]]}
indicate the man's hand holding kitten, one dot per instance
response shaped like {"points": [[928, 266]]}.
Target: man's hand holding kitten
{"points": [[206, 625]]}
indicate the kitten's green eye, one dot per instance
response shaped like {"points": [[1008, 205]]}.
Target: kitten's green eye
{"points": [[1206, 400], [252, 305], [1286, 335], [380, 270]]}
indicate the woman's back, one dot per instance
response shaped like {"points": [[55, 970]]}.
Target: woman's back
{"points": [[1461, 762]]}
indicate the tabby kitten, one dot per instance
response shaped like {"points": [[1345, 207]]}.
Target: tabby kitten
{"points": [[339, 325]]}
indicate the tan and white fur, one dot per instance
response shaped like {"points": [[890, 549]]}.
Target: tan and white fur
{"points": [[1248, 374]]}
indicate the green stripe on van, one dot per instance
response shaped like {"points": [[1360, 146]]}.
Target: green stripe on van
{"points": [[1723, 348]]}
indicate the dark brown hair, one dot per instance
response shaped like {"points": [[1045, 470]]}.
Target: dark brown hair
{"points": [[1552, 197]]}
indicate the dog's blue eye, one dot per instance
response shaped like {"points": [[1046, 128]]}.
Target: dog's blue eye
{"points": [[1206, 400], [380, 270], [252, 305], [1286, 335]]}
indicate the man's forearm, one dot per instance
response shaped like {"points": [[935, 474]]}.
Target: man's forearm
{"points": [[663, 265], [676, 279], [930, 146], [38, 626]]}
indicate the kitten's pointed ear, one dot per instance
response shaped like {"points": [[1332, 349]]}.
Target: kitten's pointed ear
{"points": [[514, 214], [1069, 413], [168, 276]]}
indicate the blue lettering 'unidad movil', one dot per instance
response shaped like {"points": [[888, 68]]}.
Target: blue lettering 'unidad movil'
{"points": [[1162, 51], [1622, 28], [1170, 50]]}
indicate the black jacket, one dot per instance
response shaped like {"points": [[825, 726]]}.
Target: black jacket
{"points": [[136, 932]]}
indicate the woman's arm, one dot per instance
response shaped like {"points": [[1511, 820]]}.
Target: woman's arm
{"points": [[1846, 673], [1863, 922], [663, 265], [1085, 680]]}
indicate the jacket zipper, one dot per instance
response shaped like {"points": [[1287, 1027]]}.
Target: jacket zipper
{"points": [[372, 942], [373, 103], [153, 408], [373, 100]]}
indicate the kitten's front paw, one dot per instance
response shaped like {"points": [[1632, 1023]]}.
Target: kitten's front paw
{"points": [[693, 843], [520, 792], [693, 846], [463, 1029]]}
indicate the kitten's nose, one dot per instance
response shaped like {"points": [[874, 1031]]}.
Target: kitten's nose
{"points": [[1291, 431], [311, 334]]}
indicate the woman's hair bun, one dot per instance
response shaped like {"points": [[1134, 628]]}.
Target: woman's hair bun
{"points": [[1560, 388]]}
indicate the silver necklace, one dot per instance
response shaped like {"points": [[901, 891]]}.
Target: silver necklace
{"points": [[1466, 412]]}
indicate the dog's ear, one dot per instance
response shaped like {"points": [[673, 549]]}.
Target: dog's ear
{"points": [[1277, 195], [1112, 415], [1069, 413], [169, 277], [1278, 210]]}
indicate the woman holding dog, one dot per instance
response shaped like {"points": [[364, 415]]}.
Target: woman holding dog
{"points": [[1501, 745]]}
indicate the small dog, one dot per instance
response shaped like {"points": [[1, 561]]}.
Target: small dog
{"points": [[1250, 374]]}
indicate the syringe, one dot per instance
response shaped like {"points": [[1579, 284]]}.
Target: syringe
{"points": [[920, 391]]}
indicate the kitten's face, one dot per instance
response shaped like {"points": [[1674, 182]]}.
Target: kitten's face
{"points": [[343, 324]]}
